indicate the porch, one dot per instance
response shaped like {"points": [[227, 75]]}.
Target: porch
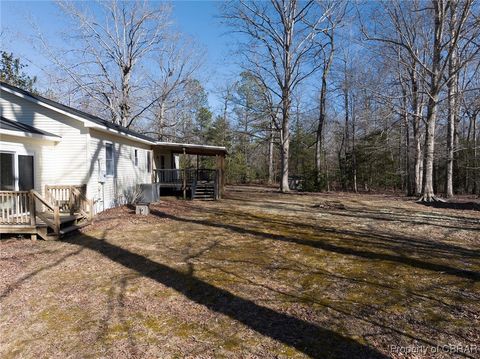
{"points": [[61, 210], [195, 183], [179, 167]]}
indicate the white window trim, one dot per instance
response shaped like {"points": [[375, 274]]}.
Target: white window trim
{"points": [[23, 152], [147, 158], [113, 159]]}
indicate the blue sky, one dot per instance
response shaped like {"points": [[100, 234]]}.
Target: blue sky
{"points": [[199, 19]]}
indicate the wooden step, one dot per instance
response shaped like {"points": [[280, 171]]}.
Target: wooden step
{"points": [[43, 232], [72, 228], [202, 197], [64, 217]]}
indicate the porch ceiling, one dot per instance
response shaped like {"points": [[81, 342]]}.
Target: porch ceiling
{"points": [[191, 149]]}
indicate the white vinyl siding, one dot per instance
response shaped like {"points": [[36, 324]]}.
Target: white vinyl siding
{"points": [[62, 163], [119, 188], [79, 156], [41, 151]]}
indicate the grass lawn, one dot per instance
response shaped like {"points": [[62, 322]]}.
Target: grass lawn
{"points": [[258, 274]]}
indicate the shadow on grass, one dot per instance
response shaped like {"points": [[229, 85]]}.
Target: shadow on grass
{"points": [[327, 246], [306, 337], [405, 216], [372, 237], [464, 206], [14, 286]]}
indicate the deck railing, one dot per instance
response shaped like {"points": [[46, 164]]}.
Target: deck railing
{"points": [[16, 208], [184, 176], [70, 199], [26, 211], [22, 208], [50, 213]]}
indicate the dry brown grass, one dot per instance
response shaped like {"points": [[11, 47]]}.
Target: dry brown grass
{"points": [[258, 274]]}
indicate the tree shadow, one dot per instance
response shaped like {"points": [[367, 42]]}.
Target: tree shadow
{"points": [[306, 337], [406, 216], [11, 287], [116, 305], [371, 236], [331, 247], [463, 206]]}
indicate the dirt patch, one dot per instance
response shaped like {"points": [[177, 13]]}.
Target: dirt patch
{"points": [[258, 274]]}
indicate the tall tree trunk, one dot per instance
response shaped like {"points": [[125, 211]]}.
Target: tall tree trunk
{"points": [[246, 176], [417, 138], [354, 157], [341, 163], [407, 154], [346, 145], [160, 119], [125, 100], [284, 156], [288, 23], [285, 146], [270, 154], [428, 190], [327, 176], [428, 193], [475, 161], [319, 139], [322, 116], [452, 107], [408, 177]]}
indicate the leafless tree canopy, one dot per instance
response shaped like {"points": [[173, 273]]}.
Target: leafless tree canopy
{"points": [[348, 95], [110, 45]]}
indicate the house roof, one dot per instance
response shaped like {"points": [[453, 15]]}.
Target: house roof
{"points": [[16, 128], [73, 111], [117, 129], [192, 149]]}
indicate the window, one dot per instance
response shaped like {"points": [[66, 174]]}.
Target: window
{"points": [[162, 162], [7, 176], [109, 162], [149, 162], [16, 172], [136, 158], [25, 173]]}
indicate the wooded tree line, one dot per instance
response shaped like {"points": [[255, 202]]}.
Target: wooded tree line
{"points": [[339, 95], [396, 91]]}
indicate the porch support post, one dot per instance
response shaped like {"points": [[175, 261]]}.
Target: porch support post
{"points": [[184, 177], [198, 166], [221, 174], [222, 183], [33, 222]]}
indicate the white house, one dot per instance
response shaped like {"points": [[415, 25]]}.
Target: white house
{"points": [[51, 149]]}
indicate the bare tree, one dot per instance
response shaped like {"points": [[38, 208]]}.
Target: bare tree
{"points": [[281, 44], [174, 68], [107, 46], [328, 50], [434, 67]]}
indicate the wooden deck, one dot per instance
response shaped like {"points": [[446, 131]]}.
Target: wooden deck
{"points": [[62, 210], [201, 183]]}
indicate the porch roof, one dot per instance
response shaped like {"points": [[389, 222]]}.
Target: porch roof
{"points": [[15, 128], [192, 149]]}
